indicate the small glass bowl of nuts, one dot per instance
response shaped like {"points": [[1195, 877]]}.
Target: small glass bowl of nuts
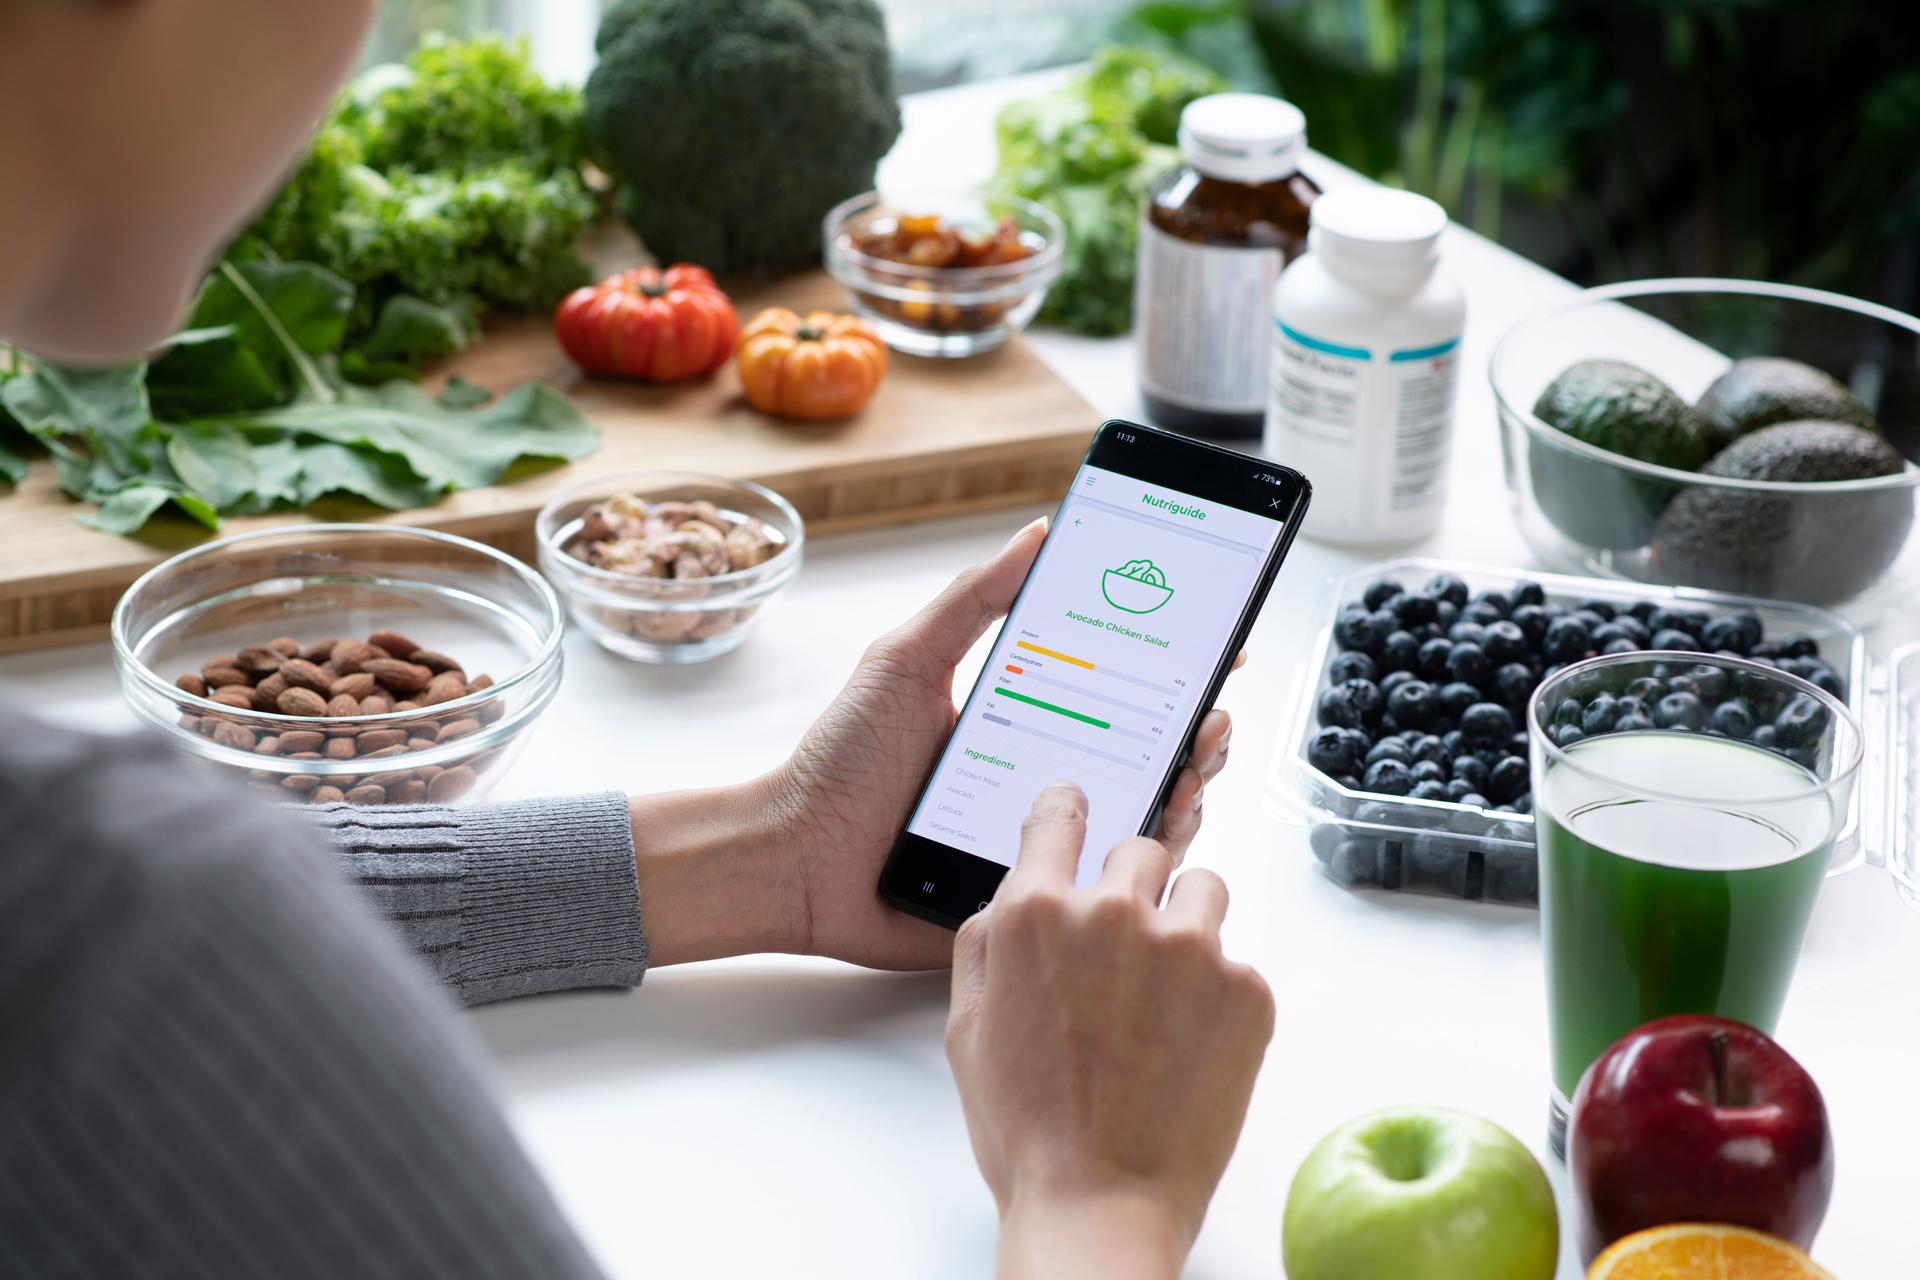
{"points": [[369, 664], [669, 567], [949, 274]]}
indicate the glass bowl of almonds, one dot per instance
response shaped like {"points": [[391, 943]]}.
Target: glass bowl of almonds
{"points": [[670, 567], [366, 664]]}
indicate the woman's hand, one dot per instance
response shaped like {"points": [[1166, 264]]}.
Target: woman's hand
{"points": [[1105, 1051], [791, 861]]}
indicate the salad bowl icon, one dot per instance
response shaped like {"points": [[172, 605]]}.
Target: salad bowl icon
{"points": [[1137, 586]]}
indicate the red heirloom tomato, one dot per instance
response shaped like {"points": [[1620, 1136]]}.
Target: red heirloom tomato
{"points": [[659, 326]]}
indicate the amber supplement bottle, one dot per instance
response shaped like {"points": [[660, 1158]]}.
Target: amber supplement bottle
{"points": [[1215, 234]]}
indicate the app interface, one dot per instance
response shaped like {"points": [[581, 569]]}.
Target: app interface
{"points": [[1097, 673]]}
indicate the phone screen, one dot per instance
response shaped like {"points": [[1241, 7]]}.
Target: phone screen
{"points": [[1143, 590]]}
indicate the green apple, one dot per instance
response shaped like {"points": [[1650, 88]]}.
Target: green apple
{"points": [[1420, 1193]]}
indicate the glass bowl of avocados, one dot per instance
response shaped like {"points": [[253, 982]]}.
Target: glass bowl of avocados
{"points": [[1730, 435]]}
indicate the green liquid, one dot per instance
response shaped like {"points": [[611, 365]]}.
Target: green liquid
{"points": [[1650, 907]]}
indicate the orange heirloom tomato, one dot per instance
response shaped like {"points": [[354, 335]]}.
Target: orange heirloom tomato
{"points": [[659, 326], [819, 366]]}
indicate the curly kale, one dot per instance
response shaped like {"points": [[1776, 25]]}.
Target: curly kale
{"points": [[736, 125]]}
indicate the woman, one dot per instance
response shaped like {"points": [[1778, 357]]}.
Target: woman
{"points": [[216, 1058]]}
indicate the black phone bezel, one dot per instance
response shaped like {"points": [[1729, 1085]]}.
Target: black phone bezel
{"points": [[946, 885]]}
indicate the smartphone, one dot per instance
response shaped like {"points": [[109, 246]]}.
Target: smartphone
{"points": [[1150, 578]]}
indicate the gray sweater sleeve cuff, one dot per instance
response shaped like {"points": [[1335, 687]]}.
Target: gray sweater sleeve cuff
{"points": [[503, 900]]}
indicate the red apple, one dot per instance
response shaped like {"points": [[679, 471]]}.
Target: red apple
{"points": [[1698, 1119]]}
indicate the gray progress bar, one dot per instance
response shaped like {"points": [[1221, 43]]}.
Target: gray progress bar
{"points": [[1065, 742], [1080, 690]]}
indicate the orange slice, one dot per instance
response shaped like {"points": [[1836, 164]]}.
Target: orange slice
{"points": [[1703, 1251]]}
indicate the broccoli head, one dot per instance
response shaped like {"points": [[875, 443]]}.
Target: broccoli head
{"points": [[734, 125]]}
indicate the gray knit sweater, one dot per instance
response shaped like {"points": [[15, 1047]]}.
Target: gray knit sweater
{"points": [[217, 1060]]}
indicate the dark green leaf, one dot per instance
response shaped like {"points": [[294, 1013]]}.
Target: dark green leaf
{"points": [[412, 329], [280, 314], [107, 408], [125, 510], [221, 376], [215, 461], [381, 478], [461, 394]]}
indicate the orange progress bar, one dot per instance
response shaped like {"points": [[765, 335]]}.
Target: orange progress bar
{"points": [[1013, 668], [1053, 653]]}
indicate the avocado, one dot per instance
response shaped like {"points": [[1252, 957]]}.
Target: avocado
{"points": [[1763, 390], [1623, 409], [1818, 547]]}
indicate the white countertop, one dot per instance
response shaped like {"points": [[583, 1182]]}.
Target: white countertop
{"points": [[790, 1117]]}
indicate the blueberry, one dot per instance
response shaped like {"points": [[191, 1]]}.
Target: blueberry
{"points": [[1633, 628], [1445, 613], [1354, 629], [1807, 757], [1385, 623], [1647, 689], [1367, 697], [1467, 633], [1765, 736], [1634, 722], [1481, 612], [1600, 714], [1765, 649], [1553, 669], [1432, 749], [1629, 704], [1513, 683], [1388, 777], [1680, 711], [1528, 593], [1518, 743], [1379, 591], [1508, 779], [1565, 735], [1495, 601], [1351, 665], [1389, 727], [1413, 703], [1800, 647], [1412, 738], [1593, 604], [1709, 682], [1567, 711], [1433, 658], [1505, 642], [1393, 680], [1800, 723], [1427, 791], [1532, 621], [1734, 717], [1416, 610], [1588, 618], [1604, 639], [1398, 651], [1335, 707], [1427, 771], [1476, 800], [1487, 722], [1447, 587], [1469, 662], [1727, 633], [1331, 751], [1454, 741], [1619, 644], [1642, 609], [1471, 770], [1458, 790], [1674, 638], [1388, 749], [1567, 640], [1523, 803]]}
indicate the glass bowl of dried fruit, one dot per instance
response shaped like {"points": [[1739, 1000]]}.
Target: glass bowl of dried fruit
{"points": [[944, 273], [370, 664], [669, 567]]}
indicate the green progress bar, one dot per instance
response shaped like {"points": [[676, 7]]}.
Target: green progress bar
{"points": [[1059, 711]]}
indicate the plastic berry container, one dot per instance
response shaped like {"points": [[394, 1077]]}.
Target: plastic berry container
{"points": [[1366, 840]]}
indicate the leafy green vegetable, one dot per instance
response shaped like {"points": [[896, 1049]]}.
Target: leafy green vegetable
{"points": [[1088, 152], [736, 125]]}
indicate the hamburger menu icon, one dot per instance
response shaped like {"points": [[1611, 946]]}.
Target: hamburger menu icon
{"points": [[1137, 586]]}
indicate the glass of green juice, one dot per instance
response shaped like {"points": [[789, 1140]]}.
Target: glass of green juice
{"points": [[1685, 809]]}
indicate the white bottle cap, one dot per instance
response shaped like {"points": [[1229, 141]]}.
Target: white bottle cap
{"points": [[1242, 137], [1376, 227]]}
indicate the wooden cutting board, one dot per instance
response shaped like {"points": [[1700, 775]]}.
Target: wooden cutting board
{"points": [[941, 437]]}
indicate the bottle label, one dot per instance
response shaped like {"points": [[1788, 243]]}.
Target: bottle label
{"points": [[1200, 315], [1373, 427]]}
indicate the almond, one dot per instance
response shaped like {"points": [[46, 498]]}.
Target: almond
{"points": [[375, 704], [444, 687], [326, 795], [349, 654], [428, 772], [419, 744], [233, 696], [392, 779], [367, 793], [380, 739], [305, 755], [258, 660], [237, 736], [408, 792], [267, 746], [478, 683], [451, 785], [191, 684], [317, 653], [459, 729], [491, 712], [434, 662], [343, 704], [397, 749], [300, 782], [301, 702], [266, 694], [357, 685], [294, 740], [340, 749], [285, 646], [393, 642], [424, 729], [407, 704], [301, 674], [404, 678], [221, 676]]}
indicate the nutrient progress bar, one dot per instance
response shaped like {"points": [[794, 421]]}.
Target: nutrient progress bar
{"points": [[1108, 672], [1081, 747]]}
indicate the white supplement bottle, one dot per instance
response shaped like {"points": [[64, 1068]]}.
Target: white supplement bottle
{"points": [[1366, 344]]}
